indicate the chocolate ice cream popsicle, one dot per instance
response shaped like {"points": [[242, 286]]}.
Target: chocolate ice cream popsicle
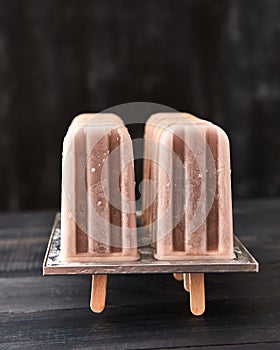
{"points": [[188, 160], [98, 217]]}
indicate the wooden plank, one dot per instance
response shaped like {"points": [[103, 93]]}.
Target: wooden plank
{"points": [[62, 292], [26, 219], [142, 312], [39, 293], [145, 326], [23, 238], [257, 346]]}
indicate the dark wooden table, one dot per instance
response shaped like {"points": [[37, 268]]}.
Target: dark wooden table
{"points": [[143, 312]]}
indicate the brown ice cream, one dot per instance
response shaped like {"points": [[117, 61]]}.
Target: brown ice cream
{"points": [[98, 218], [188, 161]]}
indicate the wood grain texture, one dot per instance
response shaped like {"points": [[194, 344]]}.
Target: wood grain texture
{"points": [[260, 346], [197, 293], [98, 293], [142, 312]]}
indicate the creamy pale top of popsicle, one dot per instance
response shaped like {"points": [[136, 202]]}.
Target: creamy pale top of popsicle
{"points": [[98, 217], [194, 197]]}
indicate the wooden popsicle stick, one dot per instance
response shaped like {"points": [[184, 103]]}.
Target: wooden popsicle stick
{"points": [[186, 282], [197, 293], [178, 276], [98, 293]]}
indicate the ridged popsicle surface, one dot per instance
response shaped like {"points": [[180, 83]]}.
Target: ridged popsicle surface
{"points": [[97, 183], [188, 160]]}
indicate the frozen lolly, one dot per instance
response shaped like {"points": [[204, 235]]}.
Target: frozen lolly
{"points": [[188, 160], [98, 217]]}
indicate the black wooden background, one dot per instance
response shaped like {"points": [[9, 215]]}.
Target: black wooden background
{"points": [[214, 58]]}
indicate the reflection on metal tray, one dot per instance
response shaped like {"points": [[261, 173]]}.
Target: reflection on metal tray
{"points": [[243, 262]]}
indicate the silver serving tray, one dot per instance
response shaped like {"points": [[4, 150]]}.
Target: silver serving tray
{"points": [[52, 265]]}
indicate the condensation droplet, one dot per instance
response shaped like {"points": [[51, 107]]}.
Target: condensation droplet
{"points": [[168, 185], [92, 170], [98, 203], [199, 176], [82, 209], [103, 160]]}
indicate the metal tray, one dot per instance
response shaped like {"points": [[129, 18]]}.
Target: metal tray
{"points": [[52, 265]]}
